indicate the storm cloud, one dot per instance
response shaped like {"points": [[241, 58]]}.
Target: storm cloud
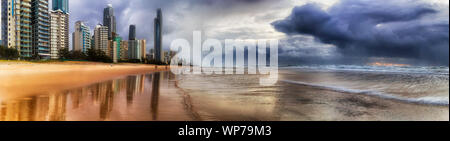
{"points": [[402, 29]]}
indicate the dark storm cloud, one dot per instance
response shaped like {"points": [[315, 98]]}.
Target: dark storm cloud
{"points": [[400, 29]]}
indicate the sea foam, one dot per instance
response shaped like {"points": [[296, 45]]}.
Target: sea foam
{"points": [[438, 101]]}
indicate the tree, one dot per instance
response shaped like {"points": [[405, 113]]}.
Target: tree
{"points": [[63, 53], [8, 53], [98, 55], [77, 55]]}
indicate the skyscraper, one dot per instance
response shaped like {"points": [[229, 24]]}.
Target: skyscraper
{"points": [[40, 20], [109, 20], [81, 37], [158, 36], [59, 32], [62, 5], [132, 34], [101, 38], [16, 26]]}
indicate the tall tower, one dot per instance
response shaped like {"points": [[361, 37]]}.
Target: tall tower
{"points": [[158, 36], [62, 5], [59, 32], [132, 34], [109, 20], [40, 28], [81, 37], [16, 26]]}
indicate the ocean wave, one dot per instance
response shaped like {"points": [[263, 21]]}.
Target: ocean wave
{"points": [[438, 101], [392, 69]]}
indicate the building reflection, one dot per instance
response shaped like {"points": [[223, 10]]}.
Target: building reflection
{"points": [[104, 96], [37, 108], [155, 95]]}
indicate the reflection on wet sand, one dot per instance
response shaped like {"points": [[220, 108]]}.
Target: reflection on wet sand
{"points": [[119, 99], [36, 108], [155, 95]]}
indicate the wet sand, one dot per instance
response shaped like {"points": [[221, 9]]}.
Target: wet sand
{"points": [[79, 91], [19, 79]]}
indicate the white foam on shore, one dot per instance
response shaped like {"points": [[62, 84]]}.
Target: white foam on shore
{"points": [[439, 101]]}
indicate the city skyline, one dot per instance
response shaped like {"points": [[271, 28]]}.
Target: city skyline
{"points": [[256, 19]]}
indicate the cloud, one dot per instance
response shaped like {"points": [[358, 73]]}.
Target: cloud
{"points": [[370, 28]]}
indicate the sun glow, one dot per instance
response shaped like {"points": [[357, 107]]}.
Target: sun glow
{"points": [[381, 64]]}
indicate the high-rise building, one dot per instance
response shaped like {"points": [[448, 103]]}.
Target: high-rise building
{"points": [[134, 50], [17, 26], [158, 36], [59, 32], [93, 41], [62, 5], [151, 54], [132, 32], [109, 20], [124, 50], [40, 19], [166, 55], [8, 23], [114, 49], [143, 48], [81, 37], [101, 38]]}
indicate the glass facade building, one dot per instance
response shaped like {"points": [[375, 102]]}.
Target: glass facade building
{"points": [[158, 36], [109, 20], [132, 34], [40, 28], [62, 5]]}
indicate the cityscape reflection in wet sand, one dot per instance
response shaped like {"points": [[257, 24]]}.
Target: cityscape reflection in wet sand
{"points": [[122, 99], [300, 95]]}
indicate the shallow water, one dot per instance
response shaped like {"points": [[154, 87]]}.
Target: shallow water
{"points": [[312, 94]]}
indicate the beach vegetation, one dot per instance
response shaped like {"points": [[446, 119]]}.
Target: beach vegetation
{"points": [[94, 55], [98, 55], [8, 53]]}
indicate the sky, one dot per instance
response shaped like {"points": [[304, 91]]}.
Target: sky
{"points": [[310, 31]]}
